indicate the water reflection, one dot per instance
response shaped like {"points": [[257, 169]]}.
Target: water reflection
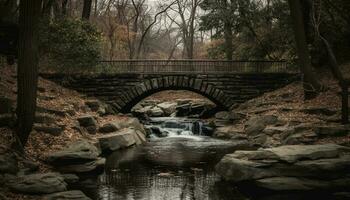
{"points": [[175, 167], [166, 169]]}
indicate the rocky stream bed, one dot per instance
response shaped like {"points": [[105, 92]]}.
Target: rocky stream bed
{"points": [[181, 150]]}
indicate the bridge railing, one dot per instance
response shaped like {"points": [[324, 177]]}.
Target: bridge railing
{"points": [[197, 66]]}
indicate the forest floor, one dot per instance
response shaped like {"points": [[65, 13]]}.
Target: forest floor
{"points": [[55, 97]]}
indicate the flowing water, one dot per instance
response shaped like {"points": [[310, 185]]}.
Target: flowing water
{"points": [[176, 165]]}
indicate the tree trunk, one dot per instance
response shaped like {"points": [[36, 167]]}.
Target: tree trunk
{"points": [[95, 8], [228, 41], [306, 6], [228, 32], [64, 7], [27, 67], [311, 85], [87, 9]]}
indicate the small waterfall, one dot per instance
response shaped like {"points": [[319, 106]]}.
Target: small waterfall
{"points": [[175, 127], [197, 128]]}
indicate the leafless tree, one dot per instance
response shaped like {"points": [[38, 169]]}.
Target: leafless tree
{"points": [[185, 17]]}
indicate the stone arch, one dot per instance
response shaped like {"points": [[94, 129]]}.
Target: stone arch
{"points": [[133, 95]]}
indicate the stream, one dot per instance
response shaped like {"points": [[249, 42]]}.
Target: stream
{"points": [[177, 163]]}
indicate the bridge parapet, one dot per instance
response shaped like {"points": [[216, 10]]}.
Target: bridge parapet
{"points": [[197, 66]]}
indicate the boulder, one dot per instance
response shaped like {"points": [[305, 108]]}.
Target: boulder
{"points": [[79, 157], [8, 164], [118, 125], [150, 102], [300, 184], [57, 112], [139, 109], [43, 118], [306, 137], [109, 127], [46, 97], [183, 109], [87, 121], [83, 167], [327, 162], [228, 132], [200, 108], [38, 184], [100, 107], [67, 195], [157, 131], [94, 105], [257, 124], [279, 130], [332, 130], [294, 153], [168, 107], [91, 130], [70, 178], [155, 112], [49, 129], [77, 152], [229, 116], [122, 139]]}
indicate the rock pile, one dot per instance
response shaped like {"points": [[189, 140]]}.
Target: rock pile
{"points": [[270, 131], [179, 108], [79, 157], [290, 167]]}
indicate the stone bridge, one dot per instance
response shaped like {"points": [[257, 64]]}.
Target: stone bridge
{"points": [[226, 83]]}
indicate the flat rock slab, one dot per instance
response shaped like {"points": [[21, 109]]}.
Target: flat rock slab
{"points": [[118, 125], [327, 161], [43, 118], [49, 129], [77, 152], [51, 111], [38, 184], [67, 195], [293, 153], [122, 139], [298, 184], [94, 165]]}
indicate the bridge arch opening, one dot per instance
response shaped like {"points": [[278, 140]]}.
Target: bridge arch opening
{"points": [[176, 103], [148, 87]]}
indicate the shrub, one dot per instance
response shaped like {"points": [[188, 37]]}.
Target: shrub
{"points": [[70, 44]]}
